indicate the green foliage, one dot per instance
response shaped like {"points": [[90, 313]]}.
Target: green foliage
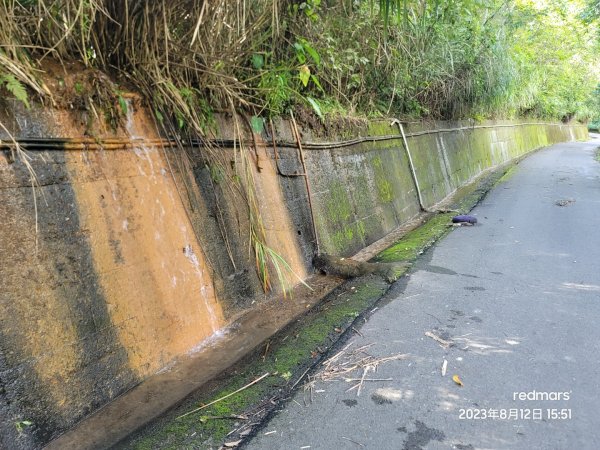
{"points": [[310, 8], [591, 12], [316, 107], [122, 104], [304, 75], [303, 49], [439, 59], [557, 58], [79, 88], [458, 58], [289, 81], [15, 87], [275, 87], [257, 124], [159, 117], [258, 61]]}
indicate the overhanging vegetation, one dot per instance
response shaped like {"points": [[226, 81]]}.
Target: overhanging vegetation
{"points": [[417, 58]]}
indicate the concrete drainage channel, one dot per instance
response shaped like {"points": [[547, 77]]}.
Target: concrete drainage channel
{"points": [[232, 407]]}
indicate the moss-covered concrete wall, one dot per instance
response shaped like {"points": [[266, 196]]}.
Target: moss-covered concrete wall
{"points": [[143, 252], [365, 190], [360, 194]]}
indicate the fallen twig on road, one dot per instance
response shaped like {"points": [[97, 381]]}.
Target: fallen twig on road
{"points": [[439, 340], [357, 332], [348, 380], [300, 378], [362, 380], [343, 363], [354, 442]]}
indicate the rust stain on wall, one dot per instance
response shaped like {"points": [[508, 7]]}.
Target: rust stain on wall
{"points": [[115, 287], [156, 282]]}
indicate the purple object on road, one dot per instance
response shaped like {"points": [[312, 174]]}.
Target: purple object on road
{"points": [[464, 218]]}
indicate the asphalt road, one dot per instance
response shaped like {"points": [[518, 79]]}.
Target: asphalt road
{"points": [[517, 296]]}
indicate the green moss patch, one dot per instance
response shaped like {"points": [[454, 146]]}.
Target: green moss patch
{"points": [[415, 242], [339, 209], [384, 187], [507, 175]]}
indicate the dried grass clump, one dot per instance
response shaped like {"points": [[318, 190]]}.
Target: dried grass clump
{"points": [[182, 55]]}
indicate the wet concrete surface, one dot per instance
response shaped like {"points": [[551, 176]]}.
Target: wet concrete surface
{"points": [[518, 299]]}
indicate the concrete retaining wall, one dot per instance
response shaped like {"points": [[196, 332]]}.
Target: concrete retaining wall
{"points": [[142, 254], [363, 191]]}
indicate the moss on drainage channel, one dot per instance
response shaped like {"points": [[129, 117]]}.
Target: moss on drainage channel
{"points": [[507, 175], [410, 246], [415, 242], [289, 354]]}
